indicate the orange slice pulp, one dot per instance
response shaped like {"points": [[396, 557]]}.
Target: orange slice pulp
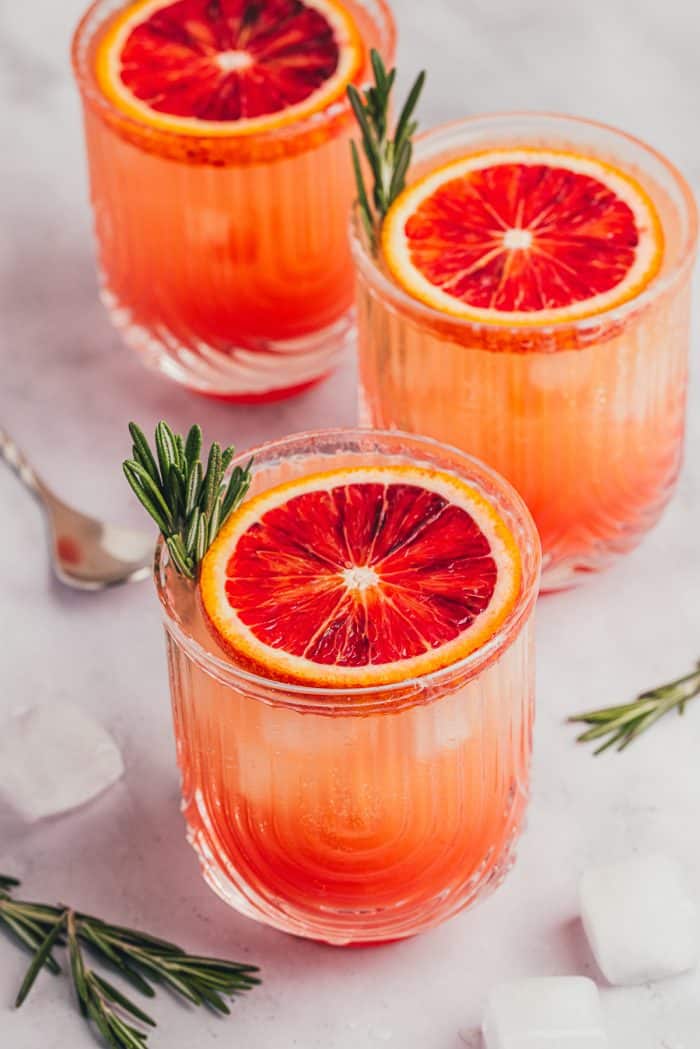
{"points": [[523, 236], [223, 67], [360, 576]]}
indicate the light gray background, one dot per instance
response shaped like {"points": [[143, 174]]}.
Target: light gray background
{"points": [[67, 390]]}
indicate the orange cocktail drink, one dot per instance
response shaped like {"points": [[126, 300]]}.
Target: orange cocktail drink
{"points": [[218, 143], [530, 304], [353, 683]]}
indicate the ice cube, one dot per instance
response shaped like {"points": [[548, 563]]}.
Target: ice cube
{"points": [[640, 919], [53, 758], [558, 1012]]}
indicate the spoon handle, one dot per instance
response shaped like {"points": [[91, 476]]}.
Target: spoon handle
{"points": [[15, 458]]}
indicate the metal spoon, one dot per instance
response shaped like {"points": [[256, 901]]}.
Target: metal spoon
{"points": [[86, 554]]}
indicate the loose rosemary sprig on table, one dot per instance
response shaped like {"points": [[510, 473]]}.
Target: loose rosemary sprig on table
{"points": [[623, 724], [140, 959], [188, 503], [388, 158]]}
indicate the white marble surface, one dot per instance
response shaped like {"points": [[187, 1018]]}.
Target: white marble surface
{"points": [[67, 389]]}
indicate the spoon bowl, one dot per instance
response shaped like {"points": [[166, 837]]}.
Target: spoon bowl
{"points": [[86, 553]]}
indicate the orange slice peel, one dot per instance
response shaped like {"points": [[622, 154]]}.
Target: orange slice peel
{"points": [[228, 67], [360, 577], [523, 236]]}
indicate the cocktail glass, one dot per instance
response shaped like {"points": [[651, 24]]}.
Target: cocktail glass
{"points": [[362, 815], [224, 260], [584, 418]]}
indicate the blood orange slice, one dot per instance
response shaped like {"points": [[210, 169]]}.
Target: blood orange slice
{"points": [[523, 236], [223, 67], [361, 576]]}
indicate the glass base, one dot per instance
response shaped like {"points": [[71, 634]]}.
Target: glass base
{"points": [[569, 573], [365, 927], [269, 397], [263, 370], [563, 569]]}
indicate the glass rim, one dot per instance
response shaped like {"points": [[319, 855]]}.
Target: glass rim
{"points": [[91, 94], [299, 695], [610, 316]]}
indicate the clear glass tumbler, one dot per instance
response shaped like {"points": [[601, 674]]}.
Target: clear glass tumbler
{"points": [[365, 815], [224, 259], [585, 418]]}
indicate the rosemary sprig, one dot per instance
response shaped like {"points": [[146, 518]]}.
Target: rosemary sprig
{"points": [[188, 503], [623, 724], [140, 959], [388, 158]]}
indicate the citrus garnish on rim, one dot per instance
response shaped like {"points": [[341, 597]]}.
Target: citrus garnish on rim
{"points": [[523, 236], [360, 576], [224, 67]]}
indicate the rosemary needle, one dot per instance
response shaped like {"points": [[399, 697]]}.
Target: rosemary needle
{"points": [[388, 158], [188, 502], [141, 960], [623, 724]]}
